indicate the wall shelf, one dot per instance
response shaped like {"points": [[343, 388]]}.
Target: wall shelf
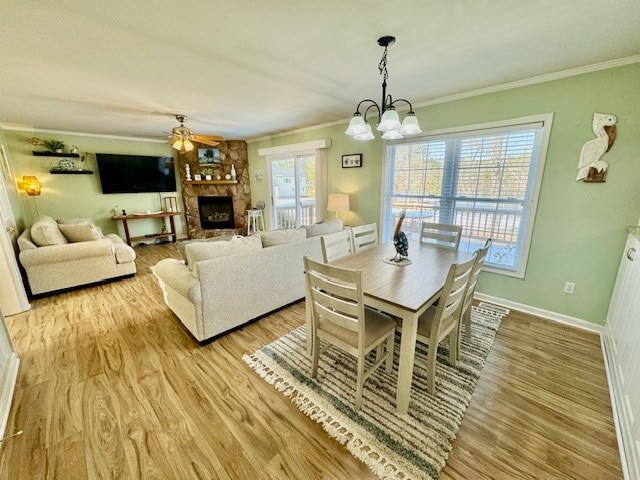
{"points": [[211, 182], [61, 171], [55, 154]]}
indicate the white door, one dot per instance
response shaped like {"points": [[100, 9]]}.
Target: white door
{"points": [[293, 190], [13, 298]]}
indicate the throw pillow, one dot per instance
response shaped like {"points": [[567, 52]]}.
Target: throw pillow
{"points": [[180, 246], [79, 232], [277, 237], [45, 232], [201, 251], [323, 228]]}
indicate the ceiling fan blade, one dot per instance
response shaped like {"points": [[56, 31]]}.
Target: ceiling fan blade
{"points": [[211, 140]]}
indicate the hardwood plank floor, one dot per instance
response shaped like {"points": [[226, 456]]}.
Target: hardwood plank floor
{"points": [[112, 386]]}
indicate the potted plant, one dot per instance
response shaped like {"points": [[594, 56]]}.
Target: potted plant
{"points": [[207, 172], [54, 145]]}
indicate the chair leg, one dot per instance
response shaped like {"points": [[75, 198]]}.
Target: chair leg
{"points": [[431, 365], [379, 351], [467, 322], [390, 347], [315, 354], [454, 345], [359, 383]]}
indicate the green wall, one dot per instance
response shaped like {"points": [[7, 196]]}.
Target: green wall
{"points": [[579, 229], [81, 195]]}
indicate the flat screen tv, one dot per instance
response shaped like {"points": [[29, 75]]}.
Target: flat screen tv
{"points": [[135, 173]]}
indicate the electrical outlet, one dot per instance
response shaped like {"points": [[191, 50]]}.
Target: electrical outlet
{"points": [[569, 287]]}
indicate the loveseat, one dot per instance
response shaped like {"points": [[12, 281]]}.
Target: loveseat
{"points": [[220, 285], [71, 252]]}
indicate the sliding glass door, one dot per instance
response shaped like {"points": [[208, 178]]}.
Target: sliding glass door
{"points": [[293, 190]]}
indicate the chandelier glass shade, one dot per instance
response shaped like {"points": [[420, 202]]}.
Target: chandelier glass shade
{"points": [[389, 121]]}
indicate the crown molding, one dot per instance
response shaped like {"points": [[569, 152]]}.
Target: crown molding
{"points": [[18, 128]]}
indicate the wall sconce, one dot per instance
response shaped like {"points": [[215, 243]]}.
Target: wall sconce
{"points": [[258, 175], [338, 202], [31, 186]]}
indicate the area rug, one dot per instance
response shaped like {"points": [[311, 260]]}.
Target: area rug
{"points": [[413, 445]]}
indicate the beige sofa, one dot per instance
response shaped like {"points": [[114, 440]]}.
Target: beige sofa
{"points": [[71, 253], [221, 285]]}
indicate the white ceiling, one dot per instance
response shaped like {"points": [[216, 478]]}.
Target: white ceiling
{"points": [[244, 69]]}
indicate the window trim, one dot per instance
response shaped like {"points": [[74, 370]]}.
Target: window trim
{"points": [[546, 119]]}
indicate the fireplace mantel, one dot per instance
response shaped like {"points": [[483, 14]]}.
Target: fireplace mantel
{"points": [[231, 152]]}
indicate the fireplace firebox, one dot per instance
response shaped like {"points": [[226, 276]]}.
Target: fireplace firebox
{"points": [[216, 212]]}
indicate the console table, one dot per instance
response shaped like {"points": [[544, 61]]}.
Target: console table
{"points": [[151, 236]]}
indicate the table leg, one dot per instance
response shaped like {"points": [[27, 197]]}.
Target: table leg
{"points": [[407, 353], [126, 231], [172, 224]]}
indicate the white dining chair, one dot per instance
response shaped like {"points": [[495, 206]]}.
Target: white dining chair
{"points": [[364, 236], [441, 234], [339, 318], [336, 245], [465, 312], [443, 320]]}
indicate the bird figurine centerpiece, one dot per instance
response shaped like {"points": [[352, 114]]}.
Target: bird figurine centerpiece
{"points": [[400, 241], [590, 167]]}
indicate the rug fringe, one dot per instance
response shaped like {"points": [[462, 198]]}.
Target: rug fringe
{"points": [[380, 465]]}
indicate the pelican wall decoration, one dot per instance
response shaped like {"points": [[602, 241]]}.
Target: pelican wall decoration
{"points": [[590, 167]]}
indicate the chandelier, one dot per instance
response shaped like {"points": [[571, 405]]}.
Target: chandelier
{"points": [[389, 123]]}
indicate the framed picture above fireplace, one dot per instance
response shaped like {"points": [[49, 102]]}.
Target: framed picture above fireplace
{"points": [[209, 156]]}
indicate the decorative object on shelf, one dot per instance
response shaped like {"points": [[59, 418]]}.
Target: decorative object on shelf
{"points": [[188, 172], [181, 137], [209, 156], [54, 145], [389, 122], [401, 243], [197, 177], [590, 168], [170, 204], [351, 161], [31, 186], [228, 176], [233, 172], [66, 164], [74, 149], [207, 172], [338, 202], [260, 205]]}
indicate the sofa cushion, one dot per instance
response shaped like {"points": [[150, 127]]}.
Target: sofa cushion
{"points": [[277, 237], [79, 220], [318, 229], [79, 232], [200, 251], [180, 246], [45, 232]]}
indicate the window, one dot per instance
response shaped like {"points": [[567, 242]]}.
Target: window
{"points": [[485, 178]]}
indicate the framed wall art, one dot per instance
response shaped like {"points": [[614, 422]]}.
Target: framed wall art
{"points": [[209, 156], [351, 161]]}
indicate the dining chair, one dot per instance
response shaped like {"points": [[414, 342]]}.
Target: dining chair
{"points": [[340, 318], [336, 245], [364, 236], [465, 312], [443, 320], [441, 234]]}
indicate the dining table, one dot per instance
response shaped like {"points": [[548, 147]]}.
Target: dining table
{"points": [[404, 291]]}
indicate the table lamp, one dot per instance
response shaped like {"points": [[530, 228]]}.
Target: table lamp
{"points": [[338, 202]]}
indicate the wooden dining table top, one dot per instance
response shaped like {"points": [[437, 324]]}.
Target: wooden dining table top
{"points": [[409, 287]]}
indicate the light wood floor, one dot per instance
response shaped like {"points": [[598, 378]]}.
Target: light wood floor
{"points": [[111, 386]]}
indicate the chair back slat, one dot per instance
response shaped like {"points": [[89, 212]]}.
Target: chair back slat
{"points": [[481, 255], [336, 245], [453, 292], [441, 234], [364, 236]]}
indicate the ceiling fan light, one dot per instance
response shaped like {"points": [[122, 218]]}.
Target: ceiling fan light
{"points": [[392, 135], [177, 144], [410, 125], [367, 135], [356, 126], [187, 145], [389, 120]]}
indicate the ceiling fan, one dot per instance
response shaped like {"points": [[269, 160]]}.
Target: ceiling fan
{"points": [[181, 137]]}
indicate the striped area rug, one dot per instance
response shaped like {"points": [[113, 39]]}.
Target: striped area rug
{"points": [[415, 445]]}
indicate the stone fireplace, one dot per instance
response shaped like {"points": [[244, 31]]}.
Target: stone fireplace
{"points": [[236, 193], [215, 212]]}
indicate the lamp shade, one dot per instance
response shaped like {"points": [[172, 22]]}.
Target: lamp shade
{"points": [[389, 121], [410, 125], [31, 185], [356, 126], [338, 202]]}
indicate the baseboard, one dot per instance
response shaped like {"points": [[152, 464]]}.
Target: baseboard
{"points": [[539, 312]]}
